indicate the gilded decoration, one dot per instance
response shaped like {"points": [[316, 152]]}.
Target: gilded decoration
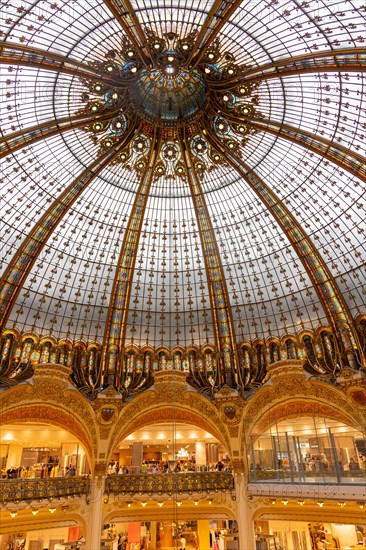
{"points": [[165, 403], [14, 490], [170, 483], [27, 402]]}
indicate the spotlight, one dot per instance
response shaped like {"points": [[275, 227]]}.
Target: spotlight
{"points": [[143, 504], [342, 504], [35, 512], [301, 502], [13, 514], [361, 505], [52, 510], [160, 504], [196, 502], [273, 501], [320, 503], [179, 503], [284, 501], [129, 504], [210, 501]]}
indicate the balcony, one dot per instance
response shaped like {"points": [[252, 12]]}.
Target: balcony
{"points": [[190, 482], [16, 490]]}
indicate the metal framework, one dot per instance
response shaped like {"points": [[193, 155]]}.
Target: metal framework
{"points": [[344, 60], [327, 289], [220, 304], [22, 262], [17, 140], [127, 18], [218, 15], [115, 330], [16, 54], [343, 157]]}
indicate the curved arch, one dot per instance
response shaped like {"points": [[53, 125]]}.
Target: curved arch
{"points": [[170, 414], [302, 406], [48, 413]]}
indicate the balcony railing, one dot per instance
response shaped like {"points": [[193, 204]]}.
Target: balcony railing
{"points": [[191, 482], [16, 490], [293, 476]]}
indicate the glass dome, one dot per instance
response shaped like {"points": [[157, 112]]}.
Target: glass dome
{"points": [[181, 178]]}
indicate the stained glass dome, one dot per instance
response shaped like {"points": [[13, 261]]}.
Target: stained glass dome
{"points": [[183, 187]]}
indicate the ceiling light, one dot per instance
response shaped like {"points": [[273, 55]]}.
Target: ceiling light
{"points": [[301, 502], [157, 46], [169, 69], [115, 96], [179, 503], [170, 58], [13, 514], [160, 504], [284, 501], [225, 97], [320, 503], [342, 504], [361, 505], [143, 503], [52, 510], [207, 70], [130, 53], [273, 501], [185, 46], [129, 504], [210, 501], [133, 69], [196, 502], [211, 55], [35, 512]]}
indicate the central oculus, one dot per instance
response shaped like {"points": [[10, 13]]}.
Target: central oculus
{"points": [[169, 94]]}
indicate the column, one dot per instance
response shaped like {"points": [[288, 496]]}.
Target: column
{"points": [[244, 514], [95, 511], [137, 453], [201, 453], [203, 534], [153, 533]]}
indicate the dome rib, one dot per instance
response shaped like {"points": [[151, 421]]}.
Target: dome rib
{"points": [[19, 54], [28, 252], [326, 287], [219, 298], [343, 157], [115, 331]]}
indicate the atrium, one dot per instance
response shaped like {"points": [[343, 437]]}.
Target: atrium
{"points": [[182, 293]]}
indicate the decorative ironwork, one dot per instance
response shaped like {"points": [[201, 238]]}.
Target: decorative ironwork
{"points": [[169, 484], [28, 252], [155, 86], [16, 490], [329, 293]]}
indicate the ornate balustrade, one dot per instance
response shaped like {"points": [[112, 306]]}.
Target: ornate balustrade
{"points": [[16, 490], [190, 482]]}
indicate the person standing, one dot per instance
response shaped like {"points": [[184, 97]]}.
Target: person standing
{"points": [[182, 543]]}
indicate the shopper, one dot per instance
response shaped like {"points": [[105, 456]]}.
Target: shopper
{"points": [[182, 543]]}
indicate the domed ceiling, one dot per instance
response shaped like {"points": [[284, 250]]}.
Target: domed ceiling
{"points": [[185, 174]]}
